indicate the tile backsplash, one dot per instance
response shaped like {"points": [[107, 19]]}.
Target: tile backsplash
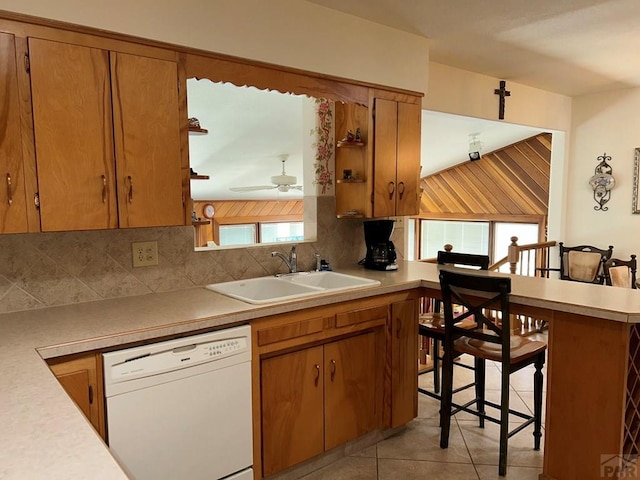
{"points": [[45, 269]]}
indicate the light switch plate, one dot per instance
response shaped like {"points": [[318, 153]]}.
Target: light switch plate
{"points": [[145, 254]]}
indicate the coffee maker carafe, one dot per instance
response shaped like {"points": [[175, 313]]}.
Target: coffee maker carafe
{"points": [[381, 253]]}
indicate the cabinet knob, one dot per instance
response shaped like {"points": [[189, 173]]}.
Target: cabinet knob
{"points": [[391, 188], [401, 189], [317, 379], [130, 189], [9, 194], [104, 189]]}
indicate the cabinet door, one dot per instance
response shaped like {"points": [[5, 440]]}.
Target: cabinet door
{"points": [[13, 207], [408, 162], [351, 404], [74, 137], [384, 155], [147, 134], [81, 378], [292, 413], [404, 364]]}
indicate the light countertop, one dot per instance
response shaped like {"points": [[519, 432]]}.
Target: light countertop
{"points": [[45, 436]]}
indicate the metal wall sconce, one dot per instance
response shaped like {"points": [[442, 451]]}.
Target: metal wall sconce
{"points": [[602, 182]]}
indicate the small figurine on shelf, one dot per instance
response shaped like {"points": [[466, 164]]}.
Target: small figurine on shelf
{"points": [[358, 136], [346, 174], [350, 137]]}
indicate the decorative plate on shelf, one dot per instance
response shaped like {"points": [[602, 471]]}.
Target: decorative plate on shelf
{"points": [[208, 211]]}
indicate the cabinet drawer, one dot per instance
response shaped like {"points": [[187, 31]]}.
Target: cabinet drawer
{"points": [[360, 316], [287, 331]]}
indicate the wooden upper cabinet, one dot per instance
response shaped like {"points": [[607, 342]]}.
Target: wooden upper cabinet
{"points": [[13, 209], [408, 162], [396, 160], [71, 97], [147, 134], [107, 138]]}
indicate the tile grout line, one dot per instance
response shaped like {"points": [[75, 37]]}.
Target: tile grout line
{"points": [[467, 447]]}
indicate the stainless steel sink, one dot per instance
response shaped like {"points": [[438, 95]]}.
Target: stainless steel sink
{"points": [[289, 287]]}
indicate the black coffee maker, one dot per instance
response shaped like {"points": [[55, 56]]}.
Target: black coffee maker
{"points": [[381, 254]]}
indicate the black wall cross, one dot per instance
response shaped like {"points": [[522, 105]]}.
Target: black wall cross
{"points": [[503, 92]]}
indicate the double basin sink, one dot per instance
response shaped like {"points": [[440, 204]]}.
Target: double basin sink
{"points": [[289, 287]]}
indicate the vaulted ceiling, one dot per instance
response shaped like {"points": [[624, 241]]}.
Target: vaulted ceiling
{"points": [[571, 47], [513, 180]]}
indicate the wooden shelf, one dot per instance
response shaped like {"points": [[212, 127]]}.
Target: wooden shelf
{"points": [[350, 215], [349, 144], [198, 131], [342, 180], [199, 177], [200, 222]]}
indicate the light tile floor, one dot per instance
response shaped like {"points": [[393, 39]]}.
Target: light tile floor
{"points": [[415, 453]]}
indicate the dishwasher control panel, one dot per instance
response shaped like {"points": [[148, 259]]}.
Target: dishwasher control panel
{"points": [[222, 347], [214, 349]]}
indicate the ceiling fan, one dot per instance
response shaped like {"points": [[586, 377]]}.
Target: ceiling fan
{"points": [[282, 182]]}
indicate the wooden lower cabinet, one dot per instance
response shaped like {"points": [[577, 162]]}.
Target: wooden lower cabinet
{"points": [[350, 378], [81, 377], [318, 398], [328, 375], [404, 345], [292, 411]]}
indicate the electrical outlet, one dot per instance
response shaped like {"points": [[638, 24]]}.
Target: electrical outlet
{"points": [[145, 254]]}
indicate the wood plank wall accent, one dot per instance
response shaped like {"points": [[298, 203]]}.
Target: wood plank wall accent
{"points": [[230, 212], [511, 181]]}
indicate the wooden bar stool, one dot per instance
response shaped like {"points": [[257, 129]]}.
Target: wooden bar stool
{"points": [[480, 294], [431, 325]]}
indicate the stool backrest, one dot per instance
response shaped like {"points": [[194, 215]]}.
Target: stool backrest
{"points": [[481, 262], [478, 294]]}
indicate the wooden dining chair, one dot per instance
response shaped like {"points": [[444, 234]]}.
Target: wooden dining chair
{"points": [[488, 340], [431, 324], [621, 273], [583, 263]]}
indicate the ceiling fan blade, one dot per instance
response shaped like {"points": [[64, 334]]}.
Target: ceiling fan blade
{"points": [[287, 188], [253, 188]]}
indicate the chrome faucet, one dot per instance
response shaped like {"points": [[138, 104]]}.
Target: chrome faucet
{"points": [[291, 262]]}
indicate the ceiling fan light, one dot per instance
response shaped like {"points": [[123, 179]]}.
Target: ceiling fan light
{"points": [[283, 180]]}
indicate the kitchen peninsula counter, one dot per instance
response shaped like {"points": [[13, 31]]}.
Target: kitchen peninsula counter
{"points": [[46, 436]]}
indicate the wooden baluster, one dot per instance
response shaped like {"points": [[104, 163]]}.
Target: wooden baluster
{"points": [[512, 254]]}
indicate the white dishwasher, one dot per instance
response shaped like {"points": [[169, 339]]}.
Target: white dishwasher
{"points": [[182, 408]]}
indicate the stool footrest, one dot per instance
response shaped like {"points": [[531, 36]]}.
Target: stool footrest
{"points": [[529, 419]]}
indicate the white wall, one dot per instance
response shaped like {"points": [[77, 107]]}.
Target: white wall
{"points": [[604, 123], [461, 92], [294, 33]]}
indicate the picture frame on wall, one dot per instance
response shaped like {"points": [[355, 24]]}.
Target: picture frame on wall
{"points": [[635, 208]]}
